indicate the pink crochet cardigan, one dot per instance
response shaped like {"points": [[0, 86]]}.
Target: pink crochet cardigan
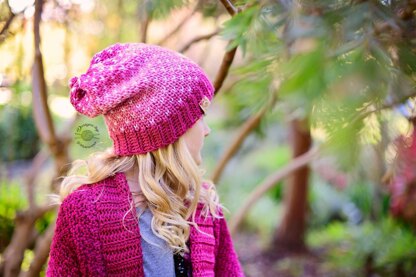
{"points": [[95, 235]]}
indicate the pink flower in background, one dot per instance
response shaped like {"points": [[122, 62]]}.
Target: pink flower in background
{"points": [[403, 184]]}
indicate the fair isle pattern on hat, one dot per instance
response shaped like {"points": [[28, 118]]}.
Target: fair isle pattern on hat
{"points": [[149, 95]]}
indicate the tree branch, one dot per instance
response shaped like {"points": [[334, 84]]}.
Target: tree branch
{"points": [[400, 101], [25, 221], [8, 23], [229, 7], [243, 133], [180, 25], [120, 12], [198, 39], [43, 242], [42, 115], [407, 12], [235, 145], [144, 27], [228, 56], [21, 239], [39, 160], [269, 183], [227, 60], [41, 157], [41, 252]]}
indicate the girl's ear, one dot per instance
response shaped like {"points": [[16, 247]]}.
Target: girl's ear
{"points": [[204, 104]]}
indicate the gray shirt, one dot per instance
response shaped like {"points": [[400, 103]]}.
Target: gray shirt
{"points": [[157, 256]]}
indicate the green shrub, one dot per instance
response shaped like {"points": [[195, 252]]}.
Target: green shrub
{"points": [[18, 134], [385, 247], [11, 200]]}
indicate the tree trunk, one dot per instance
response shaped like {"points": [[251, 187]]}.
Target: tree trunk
{"points": [[291, 232], [14, 253]]}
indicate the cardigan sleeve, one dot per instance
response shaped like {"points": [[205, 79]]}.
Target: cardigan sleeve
{"points": [[226, 259], [62, 257]]}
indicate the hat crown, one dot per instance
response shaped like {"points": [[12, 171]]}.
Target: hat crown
{"points": [[141, 88]]}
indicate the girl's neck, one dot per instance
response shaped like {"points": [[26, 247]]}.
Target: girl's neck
{"points": [[132, 177]]}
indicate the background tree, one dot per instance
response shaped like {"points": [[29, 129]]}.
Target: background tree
{"points": [[309, 80]]}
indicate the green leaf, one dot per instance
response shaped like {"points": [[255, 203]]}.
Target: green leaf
{"points": [[158, 9], [407, 58], [303, 78], [236, 28]]}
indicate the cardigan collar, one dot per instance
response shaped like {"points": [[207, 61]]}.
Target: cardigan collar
{"points": [[201, 240]]}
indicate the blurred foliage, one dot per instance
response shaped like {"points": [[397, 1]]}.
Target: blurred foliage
{"points": [[353, 205], [339, 63], [252, 166], [210, 8], [43, 223], [158, 9], [17, 132], [27, 260], [11, 200], [386, 247], [402, 184]]}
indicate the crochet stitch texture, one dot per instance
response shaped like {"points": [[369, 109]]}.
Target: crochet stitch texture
{"points": [[149, 95], [97, 234]]}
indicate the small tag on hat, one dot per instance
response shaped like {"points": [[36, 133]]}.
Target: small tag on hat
{"points": [[204, 104]]}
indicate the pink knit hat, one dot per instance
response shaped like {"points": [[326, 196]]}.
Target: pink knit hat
{"points": [[149, 95]]}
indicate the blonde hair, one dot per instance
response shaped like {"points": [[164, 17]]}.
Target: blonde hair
{"points": [[170, 182]]}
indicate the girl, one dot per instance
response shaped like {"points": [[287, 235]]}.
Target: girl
{"points": [[142, 209]]}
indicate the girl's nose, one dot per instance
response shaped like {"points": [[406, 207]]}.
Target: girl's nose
{"points": [[207, 129]]}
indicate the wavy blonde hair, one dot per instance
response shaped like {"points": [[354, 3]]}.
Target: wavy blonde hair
{"points": [[170, 182]]}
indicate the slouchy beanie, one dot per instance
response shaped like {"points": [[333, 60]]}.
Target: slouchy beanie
{"points": [[149, 95]]}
